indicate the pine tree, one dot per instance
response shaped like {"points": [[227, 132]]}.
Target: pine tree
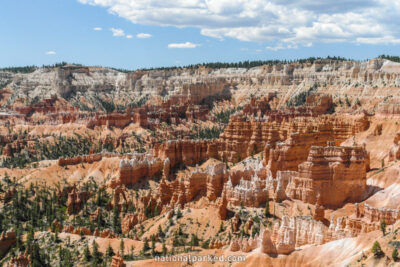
{"points": [[86, 254], [266, 210], [221, 227], [164, 249], [110, 251], [178, 214], [122, 247], [377, 250], [116, 220], [395, 255], [194, 241], [160, 232], [153, 246], [145, 246], [383, 227], [97, 256]]}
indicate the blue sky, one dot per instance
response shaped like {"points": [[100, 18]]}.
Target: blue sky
{"points": [[182, 32]]}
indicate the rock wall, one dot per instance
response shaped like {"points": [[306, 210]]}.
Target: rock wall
{"points": [[136, 166], [185, 151], [7, 239], [79, 159], [207, 182], [244, 137], [199, 84], [337, 174]]}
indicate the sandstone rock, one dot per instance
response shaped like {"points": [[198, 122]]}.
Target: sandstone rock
{"points": [[336, 173], [22, 260], [7, 239], [319, 213], [117, 261], [137, 166], [128, 222], [222, 207], [236, 223], [79, 159]]}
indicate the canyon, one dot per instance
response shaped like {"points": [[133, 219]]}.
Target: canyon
{"points": [[277, 162]]}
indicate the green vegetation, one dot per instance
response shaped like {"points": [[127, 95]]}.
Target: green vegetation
{"points": [[395, 255], [300, 99], [24, 69], [391, 58], [213, 65], [250, 64], [267, 214], [224, 115], [377, 250], [61, 147], [383, 227], [206, 133]]}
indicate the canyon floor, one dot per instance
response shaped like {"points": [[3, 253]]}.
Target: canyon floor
{"points": [[283, 164]]}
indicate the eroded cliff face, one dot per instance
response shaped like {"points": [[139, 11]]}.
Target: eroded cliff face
{"points": [[363, 80], [281, 167]]}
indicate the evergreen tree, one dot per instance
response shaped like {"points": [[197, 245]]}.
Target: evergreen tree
{"points": [[86, 254], [377, 250], [221, 227], [97, 256], [110, 251], [145, 246], [194, 241], [383, 226], [160, 232], [122, 247], [178, 213], [153, 247], [116, 220], [266, 210], [395, 255]]}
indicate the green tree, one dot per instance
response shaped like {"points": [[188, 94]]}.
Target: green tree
{"points": [[377, 250], [194, 241], [145, 246], [395, 255], [266, 210], [160, 232], [97, 256], [164, 249], [221, 227], [110, 251], [383, 226], [86, 254], [116, 220], [122, 247]]}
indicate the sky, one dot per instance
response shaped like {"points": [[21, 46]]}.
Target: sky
{"points": [[132, 34]]}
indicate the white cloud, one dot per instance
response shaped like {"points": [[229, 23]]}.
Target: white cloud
{"points": [[277, 22], [50, 52], [129, 36], [97, 28], [183, 45], [143, 35], [285, 46], [117, 32]]}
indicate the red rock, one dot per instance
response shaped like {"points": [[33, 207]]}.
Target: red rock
{"points": [[128, 222], [133, 168], [7, 239], [117, 261], [22, 260], [338, 174]]}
